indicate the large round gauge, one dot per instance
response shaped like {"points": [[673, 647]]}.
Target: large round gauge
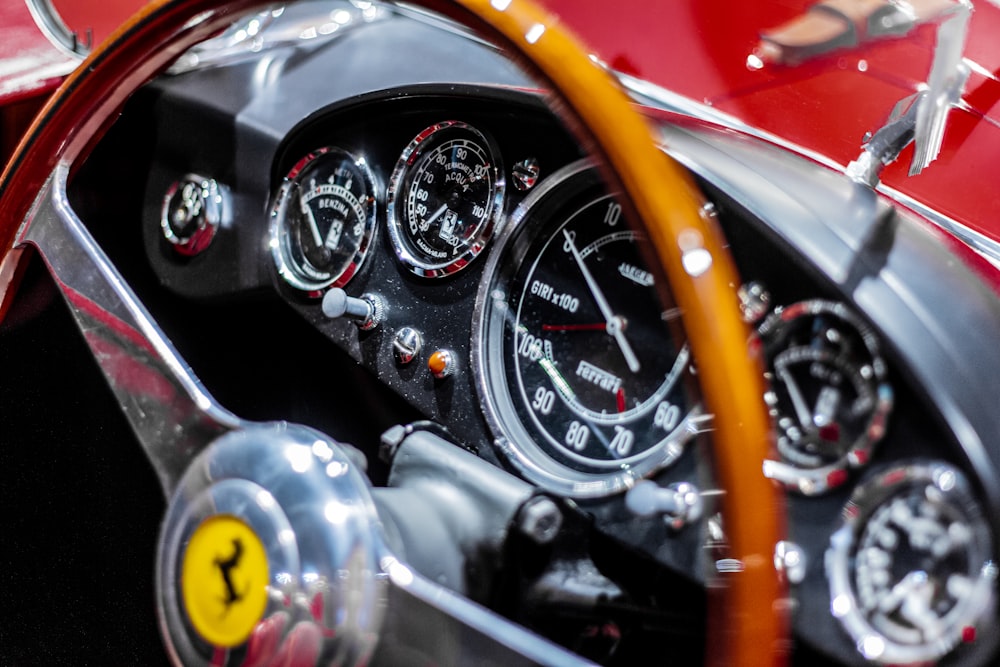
{"points": [[828, 393], [911, 569], [584, 370], [445, 199], [323, 220]]}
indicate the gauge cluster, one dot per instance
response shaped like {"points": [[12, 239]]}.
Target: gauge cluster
{"points": [[828, 394], [911, 567], [454, 244]]}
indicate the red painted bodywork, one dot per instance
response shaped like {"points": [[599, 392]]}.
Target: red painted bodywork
{"points": [[29, 64], [700, 49], [826, 105]]}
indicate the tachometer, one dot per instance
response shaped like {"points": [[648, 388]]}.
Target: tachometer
{"points": [[323, 220], [584, 369], [445, 199]]}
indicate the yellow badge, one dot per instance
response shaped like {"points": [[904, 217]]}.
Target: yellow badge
{"points": [[224, 580]]}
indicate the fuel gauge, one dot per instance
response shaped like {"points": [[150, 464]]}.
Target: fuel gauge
{"points": [[323, 220], [828, 394]]}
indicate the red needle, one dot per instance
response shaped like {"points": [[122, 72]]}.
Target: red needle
{"points": [[620, 395], [600, 326]]}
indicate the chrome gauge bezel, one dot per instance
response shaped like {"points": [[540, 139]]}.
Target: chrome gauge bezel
{"points": [[198, 200], [970, 617], [408, 165], [874, 371], [309, 280], [512, 438]]}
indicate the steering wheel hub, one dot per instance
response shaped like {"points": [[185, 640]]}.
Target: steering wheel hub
{"points": [[269, 552]]}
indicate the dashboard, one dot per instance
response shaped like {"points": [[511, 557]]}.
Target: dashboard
{"points": [[366, 231]]}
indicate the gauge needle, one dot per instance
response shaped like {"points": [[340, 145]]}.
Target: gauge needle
{"points": [[801, 409], [614, 323], [313, 227], [425, 225], [620, 396]]}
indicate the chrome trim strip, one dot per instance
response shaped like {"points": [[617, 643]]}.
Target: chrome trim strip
{"points": [[301, 24], [58, 33], [660, 98], [170, 411]]}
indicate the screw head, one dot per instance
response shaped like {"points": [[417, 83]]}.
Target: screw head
{"points": [[540, 519]]}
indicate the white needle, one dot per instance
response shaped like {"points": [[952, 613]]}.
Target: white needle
{"points": [[613, 322], [801, 409], [313, 227], [425, 225]]}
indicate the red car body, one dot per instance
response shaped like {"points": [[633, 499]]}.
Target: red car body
{"points": [[824, 106]]}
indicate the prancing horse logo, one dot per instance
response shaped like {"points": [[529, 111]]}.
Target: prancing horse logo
{"points": [[226, 567]]}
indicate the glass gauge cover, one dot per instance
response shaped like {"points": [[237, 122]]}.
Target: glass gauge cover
{"points": [[445, 199], [828, 394], [323, 220], [584, 370], [911, 568]]}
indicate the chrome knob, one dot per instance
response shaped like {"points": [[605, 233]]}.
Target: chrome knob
{"points": [[367, 312], [679, 504], [407, 345]]}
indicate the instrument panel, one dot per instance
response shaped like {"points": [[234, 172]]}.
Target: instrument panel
{"points": [[520, 315]]}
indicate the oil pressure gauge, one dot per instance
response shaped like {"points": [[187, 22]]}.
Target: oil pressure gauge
{"points": [[445, 199], [323, 220], [828, 394]]}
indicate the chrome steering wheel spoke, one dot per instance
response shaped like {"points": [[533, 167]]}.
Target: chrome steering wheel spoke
{"points": [[172, 414]]}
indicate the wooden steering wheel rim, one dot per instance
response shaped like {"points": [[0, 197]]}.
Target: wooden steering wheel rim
{"points": [[747, 625]]}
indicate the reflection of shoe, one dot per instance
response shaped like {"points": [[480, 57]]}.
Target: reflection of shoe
{"points": [[836, 24]]}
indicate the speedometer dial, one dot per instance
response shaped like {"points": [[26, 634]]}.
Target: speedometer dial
{"points": [[585, 368], [445, 198]]}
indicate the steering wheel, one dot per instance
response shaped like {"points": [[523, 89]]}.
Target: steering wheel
{"points": [[746, 621]]}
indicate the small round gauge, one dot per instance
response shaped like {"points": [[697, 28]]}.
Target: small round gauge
{"points": [[584, 368], [911, 571], [323, 220], [193, 209], [445, 199], [828, 393]]}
